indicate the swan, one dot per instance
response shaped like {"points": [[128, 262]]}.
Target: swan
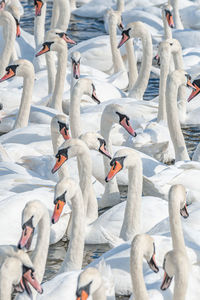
{"points": [[177, 19], [125, 212], [22, 275], [59, 20], [176, 262], [57, 44], [7, 21], [138, 29], [32, 217], [142, 246]]}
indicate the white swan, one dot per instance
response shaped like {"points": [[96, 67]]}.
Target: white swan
{"points": [[22, 274], [59, 45], [138, 29], [8, 22], [142, 246], [32, 216], [176, 262]]}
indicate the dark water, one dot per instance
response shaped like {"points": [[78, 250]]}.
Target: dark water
{"points": [[81, 29]]}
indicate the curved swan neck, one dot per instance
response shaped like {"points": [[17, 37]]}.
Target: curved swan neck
{"points": [[176, 195], [165, 58], [142, 81], [132, 215], [132, 64], [181, 284], [39, 29], [74, 256], [173, 118], [100, 293], [56, 100], [116, 55], [74, 111], [136, 270], [8, 22], [25, 105], [167, 29], [39, 255], [5, 287], [177, 19], [51, 71]]}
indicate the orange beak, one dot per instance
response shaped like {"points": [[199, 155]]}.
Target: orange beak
{"points": [[29, 276], [170, 20], [60, 161], [104, 151], [65, 133], [84, 296], [126, 124], [194, 93], [68, 40], [189, 84], [113, 171], [57, 211], [18, 32], [123, 40], [26, 238], [38, 8], [44, 50], [8, 75]]}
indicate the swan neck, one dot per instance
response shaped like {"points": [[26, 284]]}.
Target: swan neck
{"points": [[167, 29], [120, 5], [142, 81], [40, 253], [132, 63], [175, 224], [51, 70], [39, 29], [132, 215], [74, 256], [165, 58], [5, 288], [136, 269], [173, 120], [116, 55], [60, 80], [181, 284], [25, 105], [178, 63], [74, 112], [60, 15], [176, 15], [8, 23]]}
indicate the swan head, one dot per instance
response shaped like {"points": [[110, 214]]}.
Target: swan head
{"points": [[20, 274], [59, 125], [123, 159], [177, 195], [76, 60], [180, 77], [194, 93], [86, 86], [115, 19], [167, 14], [16, 13], [65, 190], [21, 68], [56, 32], [115, 113], [175, 263], [95, 141], [2, 4], [31, 216], [134, 29], [67, 150], [146, 243], [56, 44], [89, 281], [38, 7]]}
